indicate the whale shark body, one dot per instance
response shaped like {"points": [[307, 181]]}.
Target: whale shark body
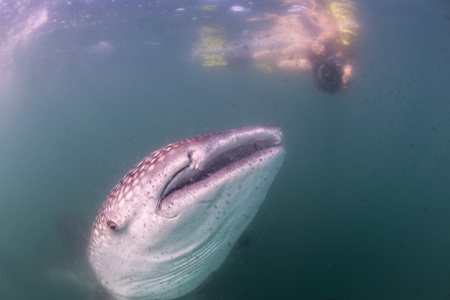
{"points": [[172, 219]]}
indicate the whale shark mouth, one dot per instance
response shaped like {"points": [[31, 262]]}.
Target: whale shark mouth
{"points": [[211, 165]]}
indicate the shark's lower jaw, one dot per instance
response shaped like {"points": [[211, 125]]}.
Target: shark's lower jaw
{"points": [[172, 220]]}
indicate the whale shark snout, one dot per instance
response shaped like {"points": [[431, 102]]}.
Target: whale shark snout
{"points": [[172, 219]]}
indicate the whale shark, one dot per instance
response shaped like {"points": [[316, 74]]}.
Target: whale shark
{"points": [[172, 220]]}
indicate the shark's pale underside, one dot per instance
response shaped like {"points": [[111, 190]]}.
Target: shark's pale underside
{"points": [[172, 219]]}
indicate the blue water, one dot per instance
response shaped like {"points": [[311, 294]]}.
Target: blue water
{"points": [[360, 209]]}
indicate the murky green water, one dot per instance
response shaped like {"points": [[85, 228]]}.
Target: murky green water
{"points": [[359, 210]]}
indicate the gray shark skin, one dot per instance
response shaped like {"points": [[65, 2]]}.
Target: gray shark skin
{"points": [[172, 220]]}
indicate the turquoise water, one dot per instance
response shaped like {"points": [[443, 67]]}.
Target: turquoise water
{"points": [[359, 210]]}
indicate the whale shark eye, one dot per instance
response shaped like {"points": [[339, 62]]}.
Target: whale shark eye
{"points": [[112, 225]]}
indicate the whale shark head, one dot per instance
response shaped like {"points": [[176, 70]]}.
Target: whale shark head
{"points": [[173, 218]]}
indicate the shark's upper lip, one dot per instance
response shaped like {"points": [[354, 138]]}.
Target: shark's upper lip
{"points": [[221, 158]]}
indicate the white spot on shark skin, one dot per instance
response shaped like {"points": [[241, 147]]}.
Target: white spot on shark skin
{"points": [[172, 208]]}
